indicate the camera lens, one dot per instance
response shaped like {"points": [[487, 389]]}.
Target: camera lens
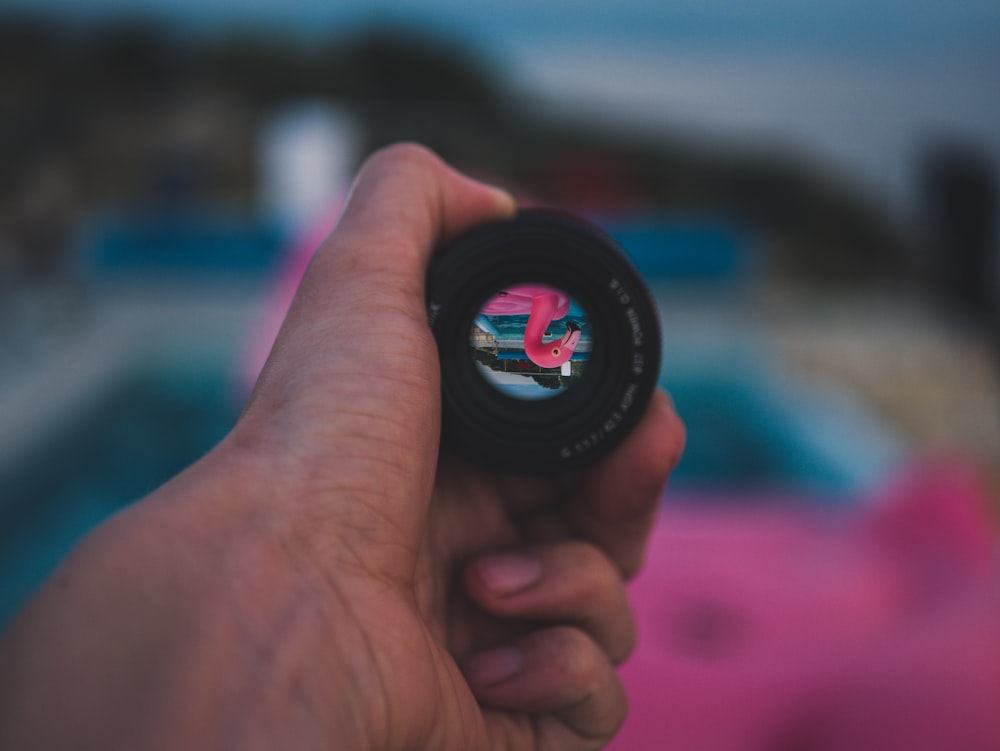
{"points": [[549, 343]]}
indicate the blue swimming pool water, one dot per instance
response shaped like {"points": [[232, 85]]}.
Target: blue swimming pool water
{"points": [[146, 429], [745, 438]]}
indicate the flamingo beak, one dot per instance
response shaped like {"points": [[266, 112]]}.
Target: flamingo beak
{"points": [[572, 337]]}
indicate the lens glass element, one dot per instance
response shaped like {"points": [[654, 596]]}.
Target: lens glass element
{"points": [[531, 341]]}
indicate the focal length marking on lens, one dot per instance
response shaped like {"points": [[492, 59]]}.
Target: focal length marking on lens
{"points": [[630, 312]]}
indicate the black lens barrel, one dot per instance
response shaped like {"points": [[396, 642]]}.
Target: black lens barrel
{"points": [[587, 420]]}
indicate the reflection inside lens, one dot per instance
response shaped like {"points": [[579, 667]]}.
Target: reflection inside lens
{"points": [[531, 341]]}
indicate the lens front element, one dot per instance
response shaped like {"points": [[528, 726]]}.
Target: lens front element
{"points": [[531, 341]]}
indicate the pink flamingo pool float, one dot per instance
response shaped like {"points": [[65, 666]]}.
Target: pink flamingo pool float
{"points": [[542, 305]]}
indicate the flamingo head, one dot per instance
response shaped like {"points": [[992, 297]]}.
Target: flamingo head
{"points": [[562, 349]]}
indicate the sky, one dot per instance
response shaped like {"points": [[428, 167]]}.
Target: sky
{"points": [[860, 86]]}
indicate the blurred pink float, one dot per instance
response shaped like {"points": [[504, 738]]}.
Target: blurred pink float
{"points": [[870, 629]]}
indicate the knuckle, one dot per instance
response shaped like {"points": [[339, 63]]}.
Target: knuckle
{"points": [[631, 562], [583, 576], [402, 154], [579, 659], [625, 642], [604, 571], [599, 579]]}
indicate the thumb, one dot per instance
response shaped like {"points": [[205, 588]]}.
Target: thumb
{"points": [[349, 400]]}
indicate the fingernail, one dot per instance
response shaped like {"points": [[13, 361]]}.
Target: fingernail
{"points": [[494, 666], [503, 198], [505, 574]]}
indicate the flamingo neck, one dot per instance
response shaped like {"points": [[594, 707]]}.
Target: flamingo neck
{"points": [[543, 308]]}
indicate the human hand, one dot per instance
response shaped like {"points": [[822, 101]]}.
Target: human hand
{"points": [[540, 594], [366, 593]]}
